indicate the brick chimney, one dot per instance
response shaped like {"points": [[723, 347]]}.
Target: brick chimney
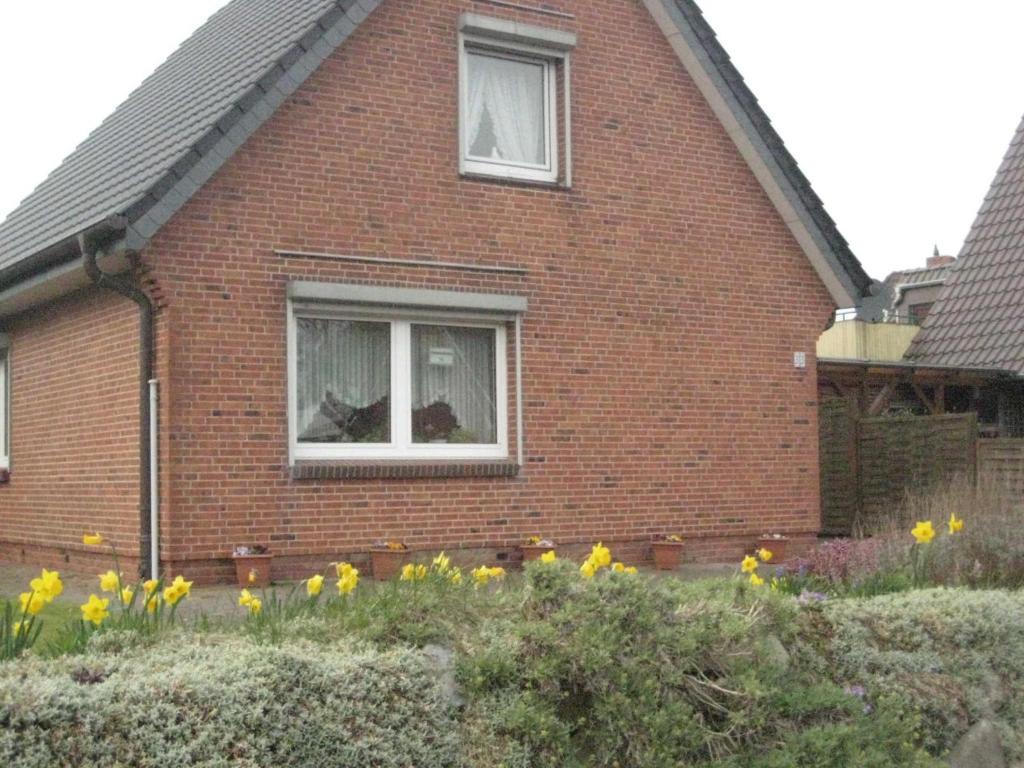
{"points": [[935, 260]]}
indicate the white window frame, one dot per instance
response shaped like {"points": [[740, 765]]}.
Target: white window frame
{"points": [[5, 407], [523, 42], [402, 446]]}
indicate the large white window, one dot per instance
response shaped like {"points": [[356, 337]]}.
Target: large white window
{"points": [[402, 384], [5, 402], [509, 100]]}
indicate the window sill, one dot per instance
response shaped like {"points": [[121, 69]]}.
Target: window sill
{"points": [[395, 470], [486, 178]]}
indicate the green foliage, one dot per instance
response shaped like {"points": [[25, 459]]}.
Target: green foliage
{"points": [[19, 631], [629, 672], [952, 656], [195, 701]]}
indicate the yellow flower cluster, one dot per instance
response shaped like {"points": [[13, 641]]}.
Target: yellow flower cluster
{"points": [[43, 589], [95, 610], [413, 572], [483, 575], [750, 565], [600, 557], [924, 531], [549, 556], [348, 578], [248, 600]]}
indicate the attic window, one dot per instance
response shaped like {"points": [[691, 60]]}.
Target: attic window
{"points": [[514, 87]]}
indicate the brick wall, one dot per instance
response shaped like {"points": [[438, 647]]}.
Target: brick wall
{"points": [[666, 300], [74, 432]]}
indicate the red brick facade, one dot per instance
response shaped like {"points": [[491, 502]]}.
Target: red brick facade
{"points": [[667, 298]]}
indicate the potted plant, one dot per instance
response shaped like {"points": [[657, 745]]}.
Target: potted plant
{"points": [[387, 558], [668, 551], [775, 544], [252, 565], [534, 547]]}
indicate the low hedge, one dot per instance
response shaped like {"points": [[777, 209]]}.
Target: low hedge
{"points": [[196, 700]]}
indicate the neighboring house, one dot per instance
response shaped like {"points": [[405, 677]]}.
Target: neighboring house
{"points": [[912, 292], [883, 327], [453, 272]]}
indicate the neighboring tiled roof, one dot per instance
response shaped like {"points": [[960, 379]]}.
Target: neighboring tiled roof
{"points": [[761, 123], [923, 276], [185, 120], [978, 319]]}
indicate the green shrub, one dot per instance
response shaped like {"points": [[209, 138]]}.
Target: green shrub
{"points": [[952, 656], [203, 701], [629, 672]]}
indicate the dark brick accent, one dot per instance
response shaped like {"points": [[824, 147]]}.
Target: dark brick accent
{"points": [[392, 470]]}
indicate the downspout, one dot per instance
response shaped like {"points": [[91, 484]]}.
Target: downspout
{"points": [[130, 290]]}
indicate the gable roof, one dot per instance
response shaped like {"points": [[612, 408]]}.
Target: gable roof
{"points": [[978, 319], [186, 119]]}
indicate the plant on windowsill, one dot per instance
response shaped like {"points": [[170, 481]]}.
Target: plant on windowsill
{"points": [[668, 551], [387, 559], [771, 548], [252, 565], [534, 547]]}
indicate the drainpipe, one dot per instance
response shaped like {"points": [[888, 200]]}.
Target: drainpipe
{"points": [[130, 290]]}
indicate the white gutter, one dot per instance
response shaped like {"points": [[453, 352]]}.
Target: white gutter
{"points": [[154, 485]]}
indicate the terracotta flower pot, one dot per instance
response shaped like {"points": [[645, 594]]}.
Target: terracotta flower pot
{"points": [[387, 563], [776, 546], [258, 565], [667, 554], [534, 551]]}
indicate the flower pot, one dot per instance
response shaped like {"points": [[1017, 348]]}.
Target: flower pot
{"points": [[387, 563], [776, 546], [259, 565], [667, 554], [534, 551]]}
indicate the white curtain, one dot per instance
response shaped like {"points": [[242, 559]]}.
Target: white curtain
{"points": [[351, 361], [456, 366], [511, 94]]}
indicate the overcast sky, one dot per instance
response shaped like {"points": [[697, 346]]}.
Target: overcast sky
{"points": [[898, 110]]}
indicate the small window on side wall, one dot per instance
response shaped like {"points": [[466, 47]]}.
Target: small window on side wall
{"points": [[514, 88]]}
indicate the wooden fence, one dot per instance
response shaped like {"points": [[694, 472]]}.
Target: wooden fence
{"points": [[1001, 463], [868, 464]]}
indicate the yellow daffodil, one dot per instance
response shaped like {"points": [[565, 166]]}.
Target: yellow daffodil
{"points": [[152, 603], [314, 584], [455, 575], [766, 555], [92, 539], [32, 603], [631, 569], [348, 578], [16, 628], [956, 524], [245, 598], [618, 567], [483, 575], [126, 595], [601, 556], [177, 589], [251, 579], [923, 532], [548, 557], [533, 541], [413, 572], [110, 582], [756, 580], [749, 564], [588, 569], [48, 585], [442, 563], [255, 606], [95, 610], [775, 584], [150, 586]]}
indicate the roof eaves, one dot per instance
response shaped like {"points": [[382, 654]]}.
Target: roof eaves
{"points": [[847, 278]]}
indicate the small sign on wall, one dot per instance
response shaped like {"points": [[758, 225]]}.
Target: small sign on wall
{"points": [[442, 356], [799, 359]]}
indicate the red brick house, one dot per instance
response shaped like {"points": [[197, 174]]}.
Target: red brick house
{"points": [[448, 271]]}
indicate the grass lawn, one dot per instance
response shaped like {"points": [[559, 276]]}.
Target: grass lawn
{"points": [[54, 617]]}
